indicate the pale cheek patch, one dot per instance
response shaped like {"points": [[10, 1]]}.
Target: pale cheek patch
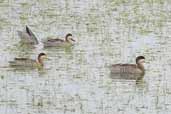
{"points": [[142, 61], [44, 57], [70, 37]]}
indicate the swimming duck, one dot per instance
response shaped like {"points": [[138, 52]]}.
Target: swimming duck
{"points": [[59, 42], [27, 36], [129, 71], [26, 62]]}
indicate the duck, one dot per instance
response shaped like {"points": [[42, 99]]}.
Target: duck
{"points": [[129, 71], [59, 42], [26, 62], [27, 36]]}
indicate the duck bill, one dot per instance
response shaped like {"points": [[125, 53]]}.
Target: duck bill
{"points": [[72, 39]]}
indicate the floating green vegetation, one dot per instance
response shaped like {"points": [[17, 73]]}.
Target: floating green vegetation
{"points": [[117, 2], [40, 104], [144, 31], [139, 15], [25, 14], [94, 21], [25, 4], [4, 22], [143, 21], [23, 17], [2, 1], [154, 1], [43, 1], [2, 77]]}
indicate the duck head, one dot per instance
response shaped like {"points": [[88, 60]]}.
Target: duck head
{"points": [[140, 60], [69, 38], [41, 58]]}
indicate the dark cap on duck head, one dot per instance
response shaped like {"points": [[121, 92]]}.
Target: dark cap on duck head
{"points": [[66, 38], [139, 58], [41, 54], [69, 34]]}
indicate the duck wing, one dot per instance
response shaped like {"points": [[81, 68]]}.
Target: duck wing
{"points": [[25, 62], [27, 36], [21, 59], [123, 68], [31, 34], [53, 42], [24, 37], [124, 71]]}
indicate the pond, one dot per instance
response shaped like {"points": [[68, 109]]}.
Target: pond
{"points": [[76, 80]]}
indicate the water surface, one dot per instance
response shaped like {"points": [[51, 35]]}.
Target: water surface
{"points": [[76, 80]]}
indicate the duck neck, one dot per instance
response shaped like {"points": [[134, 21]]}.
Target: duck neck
{"points": [[40, 62], [141, 67], [67, 40]]}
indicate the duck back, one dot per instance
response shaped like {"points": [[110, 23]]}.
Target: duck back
{"points": [[22, 62], [55, 43], [125, 71]]}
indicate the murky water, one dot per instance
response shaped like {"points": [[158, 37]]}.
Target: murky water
{"points": [[76, 80]]}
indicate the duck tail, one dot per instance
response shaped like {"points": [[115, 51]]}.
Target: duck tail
{"points": [[12, 63]]}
